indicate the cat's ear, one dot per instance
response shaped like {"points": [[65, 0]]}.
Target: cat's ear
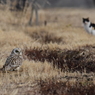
{"points": [[83, 18]]}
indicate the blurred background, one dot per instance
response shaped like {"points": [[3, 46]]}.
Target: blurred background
{"points": [[73, 3], [62, 3]]}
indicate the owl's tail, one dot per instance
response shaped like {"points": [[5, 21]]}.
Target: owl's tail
{"points": [[2, 70]]}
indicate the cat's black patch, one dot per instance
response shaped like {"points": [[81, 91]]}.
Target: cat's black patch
{"points": [[85, 20], [93, 25]]}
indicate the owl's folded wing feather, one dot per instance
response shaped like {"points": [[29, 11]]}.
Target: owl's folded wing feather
{"points": [[11, 60]]}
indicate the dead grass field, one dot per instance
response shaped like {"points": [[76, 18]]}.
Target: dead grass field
{"points": [[59, 57]]}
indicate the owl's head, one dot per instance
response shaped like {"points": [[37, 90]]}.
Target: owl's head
{"points": [[17, 51]]}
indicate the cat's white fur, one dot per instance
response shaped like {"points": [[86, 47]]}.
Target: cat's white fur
{"points": [[93, 32], [87, 27]]}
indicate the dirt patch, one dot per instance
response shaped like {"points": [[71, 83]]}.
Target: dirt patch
{"points": [[60, 88], [82, 59]]}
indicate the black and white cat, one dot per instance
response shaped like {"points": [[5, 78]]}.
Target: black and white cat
{"points": [[89, 27]]}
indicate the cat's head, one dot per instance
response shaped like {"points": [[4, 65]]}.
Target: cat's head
{"points": [[85, 20]]}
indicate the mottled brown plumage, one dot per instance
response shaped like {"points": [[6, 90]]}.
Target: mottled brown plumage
{"points": [[14, 61]]}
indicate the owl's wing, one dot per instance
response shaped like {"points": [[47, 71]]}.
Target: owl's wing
{"points": [[9, 61]]}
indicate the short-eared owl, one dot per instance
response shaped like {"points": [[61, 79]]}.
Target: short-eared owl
{"points": [[14, 61]]}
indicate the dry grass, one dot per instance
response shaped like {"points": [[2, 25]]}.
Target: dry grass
{"points": [[59, 57], [81, 59], [45, 37]]}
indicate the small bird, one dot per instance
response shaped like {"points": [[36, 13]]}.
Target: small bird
{"points": [[14, 61]]}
